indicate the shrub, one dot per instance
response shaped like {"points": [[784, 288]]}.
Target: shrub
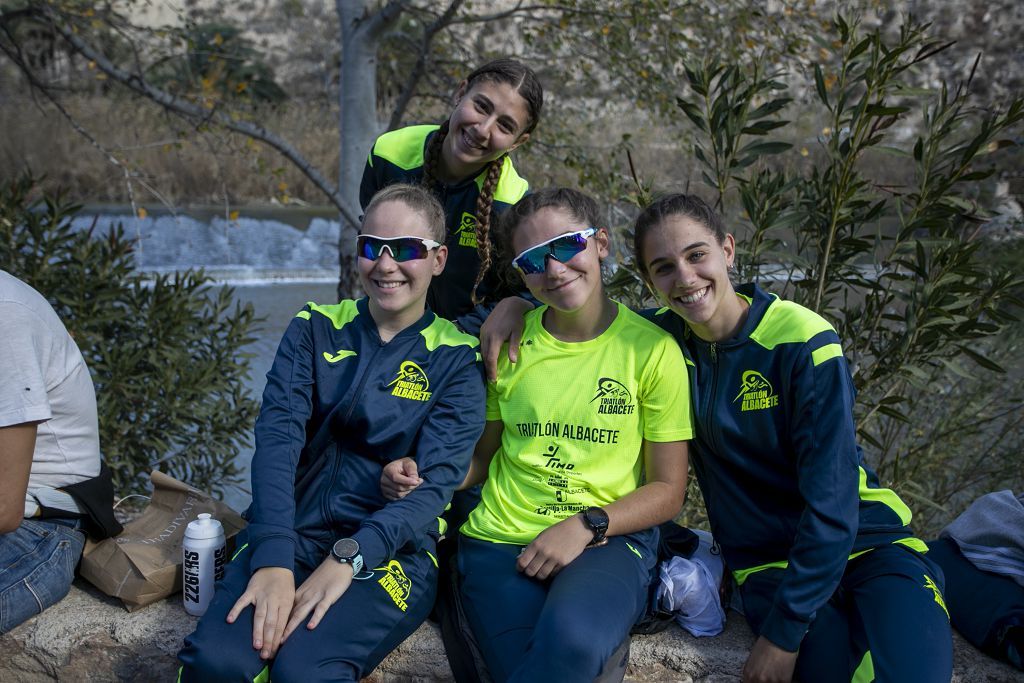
{"points": [[165, 352], [897, 268]]}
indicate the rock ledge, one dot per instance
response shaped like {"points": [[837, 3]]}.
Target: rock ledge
{"points": [[89, 636]]}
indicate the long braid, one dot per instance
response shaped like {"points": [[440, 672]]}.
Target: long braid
{"points": [[484, 203], [432, 158]]}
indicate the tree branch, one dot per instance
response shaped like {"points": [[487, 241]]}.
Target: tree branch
{"points": [[421, 62], [141, 86], [382, 19]]}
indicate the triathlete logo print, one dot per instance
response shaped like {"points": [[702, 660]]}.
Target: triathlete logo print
{"points": [[467, 230], [756, 392], [930, 584], [614, 397], [395, 583], [410, 382]]}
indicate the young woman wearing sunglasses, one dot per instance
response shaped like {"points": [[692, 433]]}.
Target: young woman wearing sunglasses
{"points": [[832, 579], [465, 163], [556, 560], [329, 577]]}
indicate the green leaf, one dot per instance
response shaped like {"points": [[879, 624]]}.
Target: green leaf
{"points": [[882, 110], [894, 151], [693, 113], [859, 48], [981, 359], [769, 108], [977, 175], [893, 413], [819, 82], [763, 127]]}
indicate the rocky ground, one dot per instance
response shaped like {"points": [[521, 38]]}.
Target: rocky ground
{"points": [[89, 637]]}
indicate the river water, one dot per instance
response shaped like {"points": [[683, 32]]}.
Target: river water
{"points": [[276, 259], [278, 302]]}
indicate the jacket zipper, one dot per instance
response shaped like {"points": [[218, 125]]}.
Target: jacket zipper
{"points": [[324, 507], [712, 399]]}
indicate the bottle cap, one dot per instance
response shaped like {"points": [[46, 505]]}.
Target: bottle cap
{"points": [[204, 526]]}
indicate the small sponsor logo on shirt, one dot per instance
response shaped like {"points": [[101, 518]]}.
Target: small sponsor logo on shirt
{"points": [[615, 398], [467, 230], [395, 583], [552, 461], [411, 382], [562, 510], [756, 392]]}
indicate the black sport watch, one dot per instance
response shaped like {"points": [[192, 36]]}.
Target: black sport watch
{"points": [[346, 551], [596, 520]]}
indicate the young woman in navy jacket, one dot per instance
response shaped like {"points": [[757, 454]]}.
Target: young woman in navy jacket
{"points": [[465, 163], [833, 581], [329, 576]]}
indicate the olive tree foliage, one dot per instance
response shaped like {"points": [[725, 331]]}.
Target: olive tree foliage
{"points": [[165, 353], [897, 266]]}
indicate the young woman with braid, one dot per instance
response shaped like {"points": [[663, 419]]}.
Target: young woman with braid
{"points": [[465, 163]]}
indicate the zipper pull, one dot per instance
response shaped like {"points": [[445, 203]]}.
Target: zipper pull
{"points": [[714, 352]]}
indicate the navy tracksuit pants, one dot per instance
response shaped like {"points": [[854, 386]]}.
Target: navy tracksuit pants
{"points": [[886, 622], [371, 619], [562, 629], [988, 609]]}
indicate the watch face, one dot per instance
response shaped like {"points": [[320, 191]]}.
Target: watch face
{"points": [[596, 518], [345, 548]]}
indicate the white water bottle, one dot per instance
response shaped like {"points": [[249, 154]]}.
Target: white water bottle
{"points": [[203, 556]]}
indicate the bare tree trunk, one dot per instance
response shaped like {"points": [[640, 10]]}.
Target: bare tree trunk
{"points": [[361, 29]]}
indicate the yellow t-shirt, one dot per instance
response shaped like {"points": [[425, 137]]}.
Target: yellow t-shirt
{"points": [[575, 416]]}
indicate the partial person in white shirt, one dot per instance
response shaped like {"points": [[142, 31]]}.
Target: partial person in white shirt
{"points": [[49, 441]]}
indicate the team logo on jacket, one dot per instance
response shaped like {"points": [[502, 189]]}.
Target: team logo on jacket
{"points": [[395, 583], [614, 396], [411, 382], [929, 583], [756, 392], [342, 354], [467, 230]]}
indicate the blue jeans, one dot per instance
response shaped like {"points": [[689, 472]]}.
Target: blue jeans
{"points": [[37, 565]]}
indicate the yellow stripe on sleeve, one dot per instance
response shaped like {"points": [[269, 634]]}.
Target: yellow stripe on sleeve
{"points": [[819, 356]]}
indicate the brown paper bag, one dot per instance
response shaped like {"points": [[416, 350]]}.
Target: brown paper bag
{"points": [[143, 563]]}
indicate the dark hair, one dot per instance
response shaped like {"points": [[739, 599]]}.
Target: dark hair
{"points": [[417, 198], [579, 205], [525, 82], [676, 204]]}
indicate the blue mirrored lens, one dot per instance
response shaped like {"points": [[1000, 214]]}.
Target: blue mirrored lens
{"points": [[401, 248], [562, 249]]}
